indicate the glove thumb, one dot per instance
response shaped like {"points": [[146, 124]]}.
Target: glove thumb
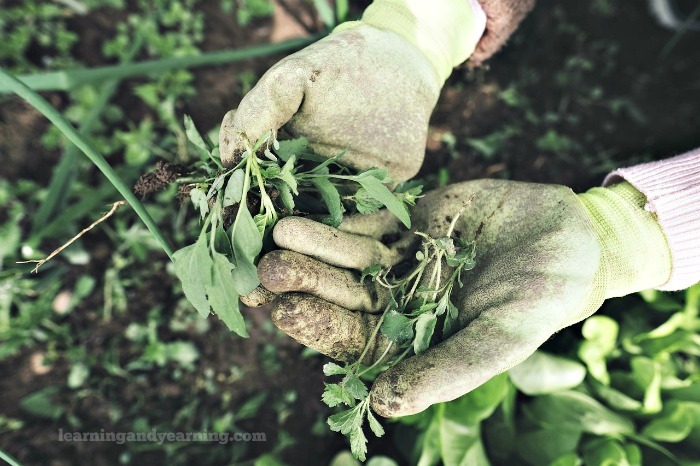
{"points": [[267, 107]]}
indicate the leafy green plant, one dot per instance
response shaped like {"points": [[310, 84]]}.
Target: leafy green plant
{"points": [[220, 265], [417, 301]]}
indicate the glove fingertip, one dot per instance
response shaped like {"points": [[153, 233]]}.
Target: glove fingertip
{"points": [[229, 141], [258, 297], [391, 395]]}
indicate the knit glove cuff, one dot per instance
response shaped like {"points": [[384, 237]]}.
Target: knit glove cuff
{"points": [[445, 31], [634, 251], [672, 191]]}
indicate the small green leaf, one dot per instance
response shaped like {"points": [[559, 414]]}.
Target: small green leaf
{"points": [[193, 266], [358, 444], [425, 326], [365, 203], [286, 195], [674, 426], [215, 186], [270, 172], [567, 459], [600, 333], [292, 147], [408, 195], [345, 421], [270, 155], [605, 452], [223, 297], [615, 398], [222, 242], [78, 375], [374, 424], [371, 271], [442, 304], [397, 327], [335, 394], [41, 403], [355, 387], [451, 324], [381, 193], [330, 196], [332, 368], [647, 373], [247, 244], [234, 188], [196, 138], [199, 199], [287, 176]]}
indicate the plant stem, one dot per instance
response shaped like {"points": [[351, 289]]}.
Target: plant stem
{"points": [[373, 336], [65, 80], [38, 102]]}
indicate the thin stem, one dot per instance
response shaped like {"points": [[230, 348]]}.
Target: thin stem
{"points": [[372, 337], [379, 359]]}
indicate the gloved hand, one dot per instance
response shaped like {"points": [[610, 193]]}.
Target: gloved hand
{"points": [[545, 259], [369, 87]]}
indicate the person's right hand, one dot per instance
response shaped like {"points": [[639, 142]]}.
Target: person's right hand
{"points": [[368, 87], [545, 259]]}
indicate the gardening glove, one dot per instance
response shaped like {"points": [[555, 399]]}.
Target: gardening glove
{"points": [[545, 259], [368, 87]]}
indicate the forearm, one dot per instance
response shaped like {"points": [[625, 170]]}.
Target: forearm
{"points": [[672, 190], [502, 19]]}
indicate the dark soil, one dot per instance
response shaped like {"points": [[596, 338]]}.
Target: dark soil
{"points": [[592, 76]]}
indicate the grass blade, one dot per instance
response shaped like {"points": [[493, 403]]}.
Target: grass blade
{"points": [[65, 80], [66, 171], [38, 102]]}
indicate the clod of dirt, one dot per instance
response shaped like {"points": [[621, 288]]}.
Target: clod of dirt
{"points": [[157, 180]]}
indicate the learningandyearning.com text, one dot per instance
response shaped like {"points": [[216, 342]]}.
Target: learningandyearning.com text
{"points": [[161, 437]]}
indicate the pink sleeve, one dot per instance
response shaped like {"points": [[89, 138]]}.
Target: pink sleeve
{"points": [[672, 188]]}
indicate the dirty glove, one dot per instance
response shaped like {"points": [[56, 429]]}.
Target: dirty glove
{"points": [[369, 87], [545, 259]]}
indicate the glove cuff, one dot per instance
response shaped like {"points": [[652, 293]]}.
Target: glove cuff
{"points": [[635, 254], [672, 190], [445, 31]]}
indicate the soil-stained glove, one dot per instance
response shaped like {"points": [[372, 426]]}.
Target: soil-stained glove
{"points": [[546, 258], [369, 87]]}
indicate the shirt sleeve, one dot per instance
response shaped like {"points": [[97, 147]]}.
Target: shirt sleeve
{"points": [[672, 190]]}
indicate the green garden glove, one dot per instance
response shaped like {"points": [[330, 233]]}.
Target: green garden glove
{"points": [[369, 87], [545, 259]]}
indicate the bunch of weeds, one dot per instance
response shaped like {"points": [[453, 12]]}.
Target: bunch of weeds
{"points": [[240, 205]]}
